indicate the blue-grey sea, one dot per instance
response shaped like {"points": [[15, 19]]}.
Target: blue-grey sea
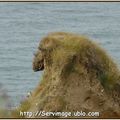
{"points": [[22, 25]]}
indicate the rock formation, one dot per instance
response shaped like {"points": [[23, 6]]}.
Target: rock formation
{"points": [[78, 76]]}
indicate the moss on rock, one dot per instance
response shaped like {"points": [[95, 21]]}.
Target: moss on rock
{"points": [[78, 75]]}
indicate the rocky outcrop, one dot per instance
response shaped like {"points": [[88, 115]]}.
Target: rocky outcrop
{"points": [[78, 76]]}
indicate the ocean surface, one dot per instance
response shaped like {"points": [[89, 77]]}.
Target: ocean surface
{"points": [[22, 26]]}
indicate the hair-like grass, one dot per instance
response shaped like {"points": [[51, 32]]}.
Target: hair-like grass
{"points": [[66, 47], [67, 58]]}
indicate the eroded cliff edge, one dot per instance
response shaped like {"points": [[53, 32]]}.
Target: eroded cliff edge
{"points": [[78, 76]]}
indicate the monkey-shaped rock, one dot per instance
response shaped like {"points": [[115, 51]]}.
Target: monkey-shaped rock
{"points": [[78, 75]]}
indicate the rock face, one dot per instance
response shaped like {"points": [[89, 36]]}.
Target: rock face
{"points": [[78, 76]]}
